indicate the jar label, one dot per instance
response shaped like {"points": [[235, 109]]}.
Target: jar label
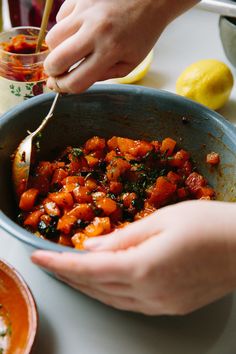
{"points": [[15, 92]]}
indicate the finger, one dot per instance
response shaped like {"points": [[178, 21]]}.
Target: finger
{"points": [[73, 279], [79, 79], [65, 10], [118, 70], [129, 236], [99, 267], [118, 289], [62, 30], [120, 303], [68, 53]]}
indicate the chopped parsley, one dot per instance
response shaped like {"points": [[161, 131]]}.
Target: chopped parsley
{"points": [[77, 152], [37, 141]]}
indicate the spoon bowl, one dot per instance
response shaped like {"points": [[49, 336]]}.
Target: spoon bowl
{"points": [[23, 155]]}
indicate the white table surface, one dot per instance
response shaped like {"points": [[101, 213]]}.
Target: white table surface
{"points": [[71, 323]]}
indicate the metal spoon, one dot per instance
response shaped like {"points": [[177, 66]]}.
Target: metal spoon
{"points": [[22, 157]]}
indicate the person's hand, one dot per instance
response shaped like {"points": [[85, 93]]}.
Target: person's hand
{"points": [[109, 37], [171, 262]]}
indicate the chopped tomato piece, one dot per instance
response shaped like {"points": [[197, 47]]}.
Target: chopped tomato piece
{"points": [[62, 199], [194, 182], [33, 219], [73, 179], [99, 226], [28, 199], [92, 161], [41, 183], [174, 177], [95, 143], [82, 212], [78, 240], [128, 198], [58, 176], [117, 168], [65, 240], [205, 192], [65, 223], [107, 205], [82, 194], [182, 193], [213, 159], [115, 187], [162, 192], [51, 208], [45, 168], [91, 184], [179, 158], [168, 146]]}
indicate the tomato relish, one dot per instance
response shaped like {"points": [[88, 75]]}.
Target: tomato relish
{"points": [[104, 185], [19, 62]]}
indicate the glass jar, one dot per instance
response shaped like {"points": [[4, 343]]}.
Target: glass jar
{"points": [[21, 71], [29, 12]]}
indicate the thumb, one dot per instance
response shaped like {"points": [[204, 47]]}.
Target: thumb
{"points": [[127, 237]]}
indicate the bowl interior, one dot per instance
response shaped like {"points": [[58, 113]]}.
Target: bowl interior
{"points": [[18, 314], [128, 111]]}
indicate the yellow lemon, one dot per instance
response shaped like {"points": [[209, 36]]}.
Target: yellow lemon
{"points": [[208, 82], [139, 72]]}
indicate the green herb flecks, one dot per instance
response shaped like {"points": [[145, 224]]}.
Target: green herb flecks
{"points": [[7, 331], [76, 153], [37, 141], [49, 231]]}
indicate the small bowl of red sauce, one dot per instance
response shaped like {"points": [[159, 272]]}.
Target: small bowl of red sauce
{"points": [[18, 313], [21, 69]]}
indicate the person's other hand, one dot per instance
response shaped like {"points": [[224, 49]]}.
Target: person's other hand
{"points": [[171, 262], [108, 37]]}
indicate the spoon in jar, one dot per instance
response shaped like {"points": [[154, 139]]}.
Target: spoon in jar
{"points": [[44, 23], [22, 157]]}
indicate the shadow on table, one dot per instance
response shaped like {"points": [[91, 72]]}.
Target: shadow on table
{"points": [[155, 80], [45, 330], [228, 111], [106, 331]]}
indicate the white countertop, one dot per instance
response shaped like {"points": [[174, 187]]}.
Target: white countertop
{"points": [[72, 323]]}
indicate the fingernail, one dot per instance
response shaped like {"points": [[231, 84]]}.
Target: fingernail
{"points": [[50, 82], [41, 257], [93, 244]]}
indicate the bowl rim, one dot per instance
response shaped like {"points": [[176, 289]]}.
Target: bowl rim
{"points": [[29, 300], [12, 228]]}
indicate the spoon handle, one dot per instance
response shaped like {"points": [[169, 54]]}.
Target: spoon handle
{"points": [[44, 23], [48, 116]]}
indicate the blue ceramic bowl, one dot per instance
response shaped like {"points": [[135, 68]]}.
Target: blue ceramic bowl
{"points": [[107, 110]]}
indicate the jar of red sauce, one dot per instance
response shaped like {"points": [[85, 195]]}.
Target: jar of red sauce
{"points": [[21, 69]]}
